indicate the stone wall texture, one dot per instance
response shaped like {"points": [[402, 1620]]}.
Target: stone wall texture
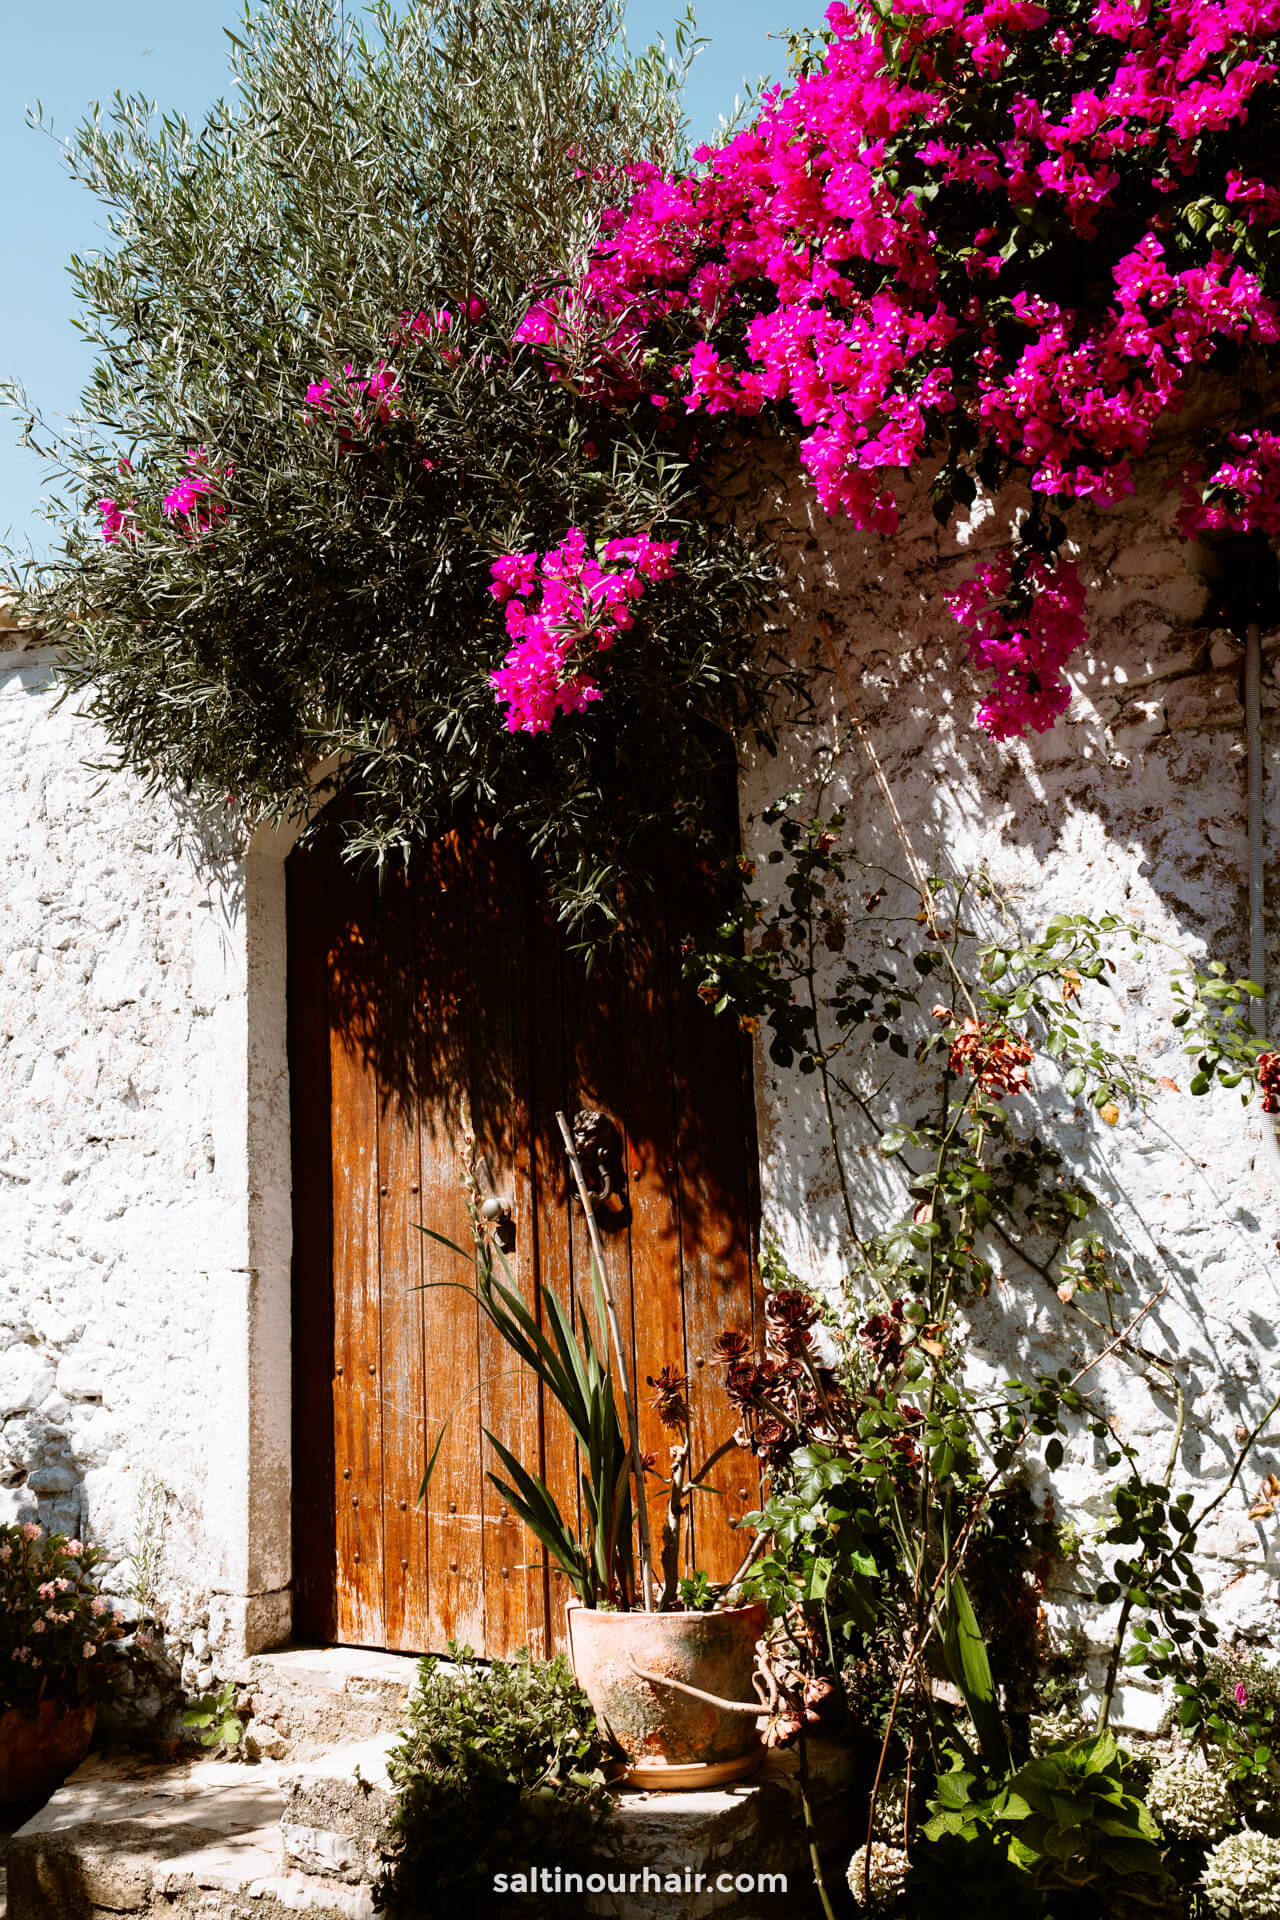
{"points": [[122, 1158], [1135, 805]]}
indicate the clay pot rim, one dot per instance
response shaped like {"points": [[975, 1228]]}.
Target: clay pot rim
{"points": [[693, 1613]]}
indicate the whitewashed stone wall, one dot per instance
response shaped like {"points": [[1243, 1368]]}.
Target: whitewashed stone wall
{"points": [[1136, 806], [144, 1328]]}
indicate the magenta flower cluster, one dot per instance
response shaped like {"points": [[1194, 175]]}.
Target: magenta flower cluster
{"points": [[117, 515], [117, 521], [197, 498], [976, 224], [1004, 235], [1238, 490], [562, 607], [195, 502], [1023, 618]]}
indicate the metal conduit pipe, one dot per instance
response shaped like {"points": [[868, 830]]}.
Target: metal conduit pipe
{"points": [[1257, 865]]}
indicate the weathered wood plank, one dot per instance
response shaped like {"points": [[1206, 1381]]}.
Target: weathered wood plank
{"points": [[596, 1080], [314, 1547], [656, 1272], [550, 1207], [715, 1137], [357, 1386], [450, 1318], [402, 1399], [514, 1596]]}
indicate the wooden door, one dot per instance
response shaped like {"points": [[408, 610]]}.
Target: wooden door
{"points": [[438, 1022]]}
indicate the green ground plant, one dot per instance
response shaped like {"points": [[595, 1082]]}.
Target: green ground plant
{"points": [[500, 1769], [212, 1717]]}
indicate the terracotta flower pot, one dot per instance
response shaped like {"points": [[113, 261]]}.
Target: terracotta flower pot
{"points": [[37, 1755], [668, 1738]]}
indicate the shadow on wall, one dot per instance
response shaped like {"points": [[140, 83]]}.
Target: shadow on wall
{"points": [[1133, 805]]}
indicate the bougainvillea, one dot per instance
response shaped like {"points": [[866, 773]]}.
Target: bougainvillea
{"points": [[1005, 235], [196, 499], [582, 604], [986, 239], [1023, 615]]}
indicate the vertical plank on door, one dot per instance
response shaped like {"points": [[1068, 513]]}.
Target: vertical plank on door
{"points": [[314, 1552], [596, 1080], [514, 1597], [452, 1363], [550, 1208], [404, 1454], [714, 1132], [357, 1385], [653, 1188]]}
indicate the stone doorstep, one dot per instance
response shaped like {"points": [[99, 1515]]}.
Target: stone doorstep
{"points": [[337, 1810], [125, 1838], [220, 1838], [334, 1822], [306, 1701]]}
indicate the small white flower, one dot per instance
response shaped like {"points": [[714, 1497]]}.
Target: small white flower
{"points": [[1242, 1877], [1190, 1800], [890, 1868]]}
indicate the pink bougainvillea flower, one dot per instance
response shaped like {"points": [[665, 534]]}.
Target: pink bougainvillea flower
{"points": [[1023, 627], [854, 262], [196, 498], [115, 521], [562, 606]]}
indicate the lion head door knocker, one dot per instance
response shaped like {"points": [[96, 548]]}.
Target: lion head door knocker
{"points": [[599, 1146]]}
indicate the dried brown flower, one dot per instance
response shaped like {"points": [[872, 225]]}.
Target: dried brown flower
{"points": [[729, 1346], [1269, 1081], [996, 1058], [668, 1400]]}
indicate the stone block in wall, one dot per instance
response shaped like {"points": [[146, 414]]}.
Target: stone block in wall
{"points": [[1204, 701], [82, 1374], [1153, 650], [1150, 560], [1140, 720], [26, 1379]]}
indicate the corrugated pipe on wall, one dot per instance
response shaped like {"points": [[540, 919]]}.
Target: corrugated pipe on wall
{"points": [[1258, 863]]}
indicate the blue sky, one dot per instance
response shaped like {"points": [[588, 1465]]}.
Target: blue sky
{"points": [[65, 53]]}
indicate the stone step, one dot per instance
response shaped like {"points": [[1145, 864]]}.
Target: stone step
{"points": [[337, 1810], [230, 1841], [125, 1837], [305, 1701]]}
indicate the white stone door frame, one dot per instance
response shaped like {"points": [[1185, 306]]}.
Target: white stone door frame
{"points": [[249, 1468]]}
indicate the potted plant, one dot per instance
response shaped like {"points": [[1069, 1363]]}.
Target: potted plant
{"points": [[668, 1665], [54, 1628]]}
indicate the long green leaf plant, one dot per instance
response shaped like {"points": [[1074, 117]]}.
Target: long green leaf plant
{"points": [[572, 1367]]}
